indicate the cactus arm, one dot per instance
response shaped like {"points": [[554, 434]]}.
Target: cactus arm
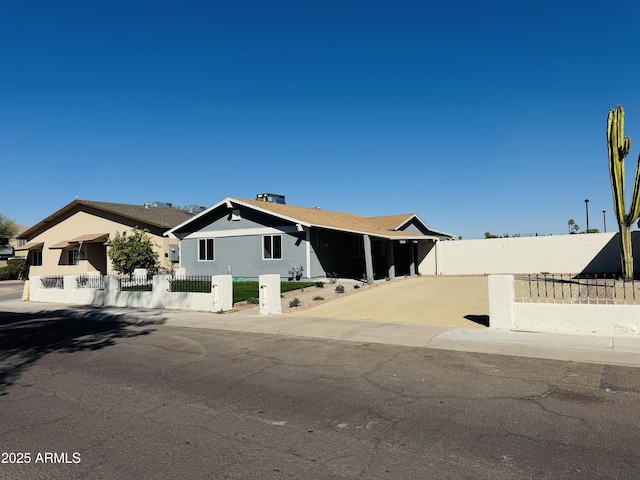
{"points": [[616, 146], [634, 211]]}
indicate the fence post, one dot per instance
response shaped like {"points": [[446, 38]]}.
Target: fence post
{"points": [[270, 303], [501, 298], [159, 290], [222, 291], [111, 285], [68, 283], [34, 288]]}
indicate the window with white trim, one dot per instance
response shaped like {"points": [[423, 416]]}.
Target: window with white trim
{"points": [[272, 247], [206, 250]]}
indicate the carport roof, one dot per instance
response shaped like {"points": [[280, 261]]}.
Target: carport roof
{"points": [[381, 227]]}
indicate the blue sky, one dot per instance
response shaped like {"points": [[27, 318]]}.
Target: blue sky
{"points": [[477, 116]]}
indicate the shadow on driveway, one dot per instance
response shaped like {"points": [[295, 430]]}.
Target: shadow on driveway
{"points": [[26, 337]]}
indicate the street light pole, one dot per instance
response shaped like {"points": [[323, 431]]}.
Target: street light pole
{"points": [[604, 219], [586, 204]]}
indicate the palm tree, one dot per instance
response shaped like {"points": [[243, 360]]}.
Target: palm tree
{"points": [[571, 223]]}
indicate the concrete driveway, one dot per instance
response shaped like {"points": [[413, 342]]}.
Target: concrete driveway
{"points": [[457, 301]]}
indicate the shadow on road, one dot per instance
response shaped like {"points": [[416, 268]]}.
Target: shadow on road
{"points": [[26, 337]]}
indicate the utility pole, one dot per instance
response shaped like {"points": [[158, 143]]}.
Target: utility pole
{"points": [[586, 203]]}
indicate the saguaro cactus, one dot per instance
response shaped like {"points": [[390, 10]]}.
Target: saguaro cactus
{"points": [[619, 147]]}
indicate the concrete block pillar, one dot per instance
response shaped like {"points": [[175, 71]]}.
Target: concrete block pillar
{"points": [[368, 258], [222, 291], [160, 289], [111, 287], [501, 298], [270, 303], [69, 282]]}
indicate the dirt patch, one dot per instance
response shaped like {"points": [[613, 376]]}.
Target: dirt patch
{"points": [[461, 301], [328, 293]]}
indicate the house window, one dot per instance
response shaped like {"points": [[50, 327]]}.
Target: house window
{"points": [[73, 257], [272, 247], [235, 215], [35, 258], [206, 250]]}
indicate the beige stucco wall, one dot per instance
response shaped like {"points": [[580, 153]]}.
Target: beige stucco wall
{"points": [[76, 225], [589, 253]]}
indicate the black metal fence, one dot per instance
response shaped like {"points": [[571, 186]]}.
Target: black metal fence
{"points": [[52, 281], [90, 281], [190, 283], [575, 289], [134, 283]]}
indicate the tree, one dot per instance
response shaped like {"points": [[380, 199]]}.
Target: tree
{"points": [[618, 147], [490, 235], [130, 252], [8, 230], [571, 223]]}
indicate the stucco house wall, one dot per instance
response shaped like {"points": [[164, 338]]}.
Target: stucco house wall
{"points": [[84, 218]]}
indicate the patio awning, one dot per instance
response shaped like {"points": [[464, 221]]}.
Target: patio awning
{"points": [[31, 246], [75, 242]]}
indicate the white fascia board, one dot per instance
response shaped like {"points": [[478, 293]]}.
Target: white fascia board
{"points": [[411, 217], [242, 232], [425, 226], [271, 212], [169, 233], [380, 234]]}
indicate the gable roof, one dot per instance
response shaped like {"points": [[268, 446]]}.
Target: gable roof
{"points": [[153, 216], [385, 226]]}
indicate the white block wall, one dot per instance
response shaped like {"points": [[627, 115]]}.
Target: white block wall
{"points": [[580, 253]]}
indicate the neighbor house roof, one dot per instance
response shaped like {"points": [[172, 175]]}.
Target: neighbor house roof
{"points": [[153, 216], [385, 227]]}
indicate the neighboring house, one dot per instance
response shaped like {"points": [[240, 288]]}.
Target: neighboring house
{"points": [[9, 251], [247, 238], [72, 240]]}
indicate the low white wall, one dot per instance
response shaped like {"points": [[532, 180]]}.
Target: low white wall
{"points": [[580, 253], [507, 314], [219, 300]]}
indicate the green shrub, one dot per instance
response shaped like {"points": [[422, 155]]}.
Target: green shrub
{"points": [[16, 269], [339, 289], [4, 273], [318, 297], [253, 301], [295, 302]]}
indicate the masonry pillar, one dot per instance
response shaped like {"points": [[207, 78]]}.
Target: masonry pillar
{"points": [[368, 258], [270, 303], [222, 289], [501, 298]]}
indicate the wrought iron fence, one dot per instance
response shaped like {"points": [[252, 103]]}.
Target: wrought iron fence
{"points": [[90, 281], [52, 281], [134, 283], [574, 289], [190, 283]]}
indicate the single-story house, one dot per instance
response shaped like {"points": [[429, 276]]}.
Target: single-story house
{"points": [[247, 238], [72, 240]]}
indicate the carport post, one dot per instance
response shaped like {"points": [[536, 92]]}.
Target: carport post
{"points": [[368, 259], [391, 260]]}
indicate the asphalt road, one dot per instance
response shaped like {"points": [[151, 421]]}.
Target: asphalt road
{"points": [[136, 399], [11, 290]]}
